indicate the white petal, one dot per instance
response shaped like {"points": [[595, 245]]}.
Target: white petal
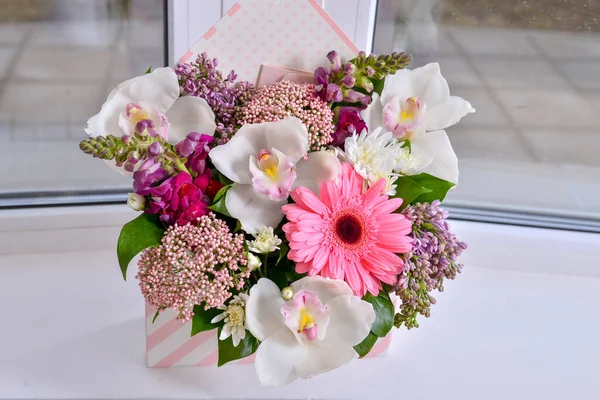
{"points": [[106, 122], [430, 86], [225, 332], [373, 114], [436, 146], [263, 310], [160, 87], [253, 210], [350, 320], [318, 359], [275, 359], [447, 113], [289, 136], [320, 166], [325, 288], [235, 337], [399, 84], [218, 318], [231, 159], [190, 114]]}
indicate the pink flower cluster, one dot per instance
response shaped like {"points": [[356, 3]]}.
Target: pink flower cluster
{"points": [[195, 264], [287, 99]]}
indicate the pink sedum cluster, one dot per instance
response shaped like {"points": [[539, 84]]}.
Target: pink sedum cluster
{"points": [[195, 264], [287, 99]]}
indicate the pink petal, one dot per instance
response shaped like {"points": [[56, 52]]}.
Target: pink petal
{"points": [[329, 193], [293, 212], [388, 207], [395, 243], [307, 199], [315, 239], [319, 261], [302, 268], [353, 279], [374, 193], [395, 223]]}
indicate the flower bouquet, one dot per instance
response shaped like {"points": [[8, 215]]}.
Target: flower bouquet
{"points": [[296, 220]]}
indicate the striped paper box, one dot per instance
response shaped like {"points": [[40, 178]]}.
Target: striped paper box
{"points": [[168, 343]]}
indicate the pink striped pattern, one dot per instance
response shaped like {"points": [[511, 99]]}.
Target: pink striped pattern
{"points": [[185, 349], [236, 7], [334, 26], [212, 359], [188, 54], [210, 33], [162, 333]]}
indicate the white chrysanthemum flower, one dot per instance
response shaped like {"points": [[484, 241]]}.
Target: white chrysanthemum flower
{"points": [[265, 242], [410, 164], [253, 262], [374, 156], [235, 319]]}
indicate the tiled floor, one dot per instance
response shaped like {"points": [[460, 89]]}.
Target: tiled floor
{"points": [[533, 142]]}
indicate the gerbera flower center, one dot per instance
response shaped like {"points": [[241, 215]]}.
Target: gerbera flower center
{"points": [[350, 229]]}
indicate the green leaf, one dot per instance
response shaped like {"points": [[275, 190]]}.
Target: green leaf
{"points": [[149, 70], [143, 232], [279, 277], [408, 190], [227, 352], [201, 319], [384, 309], [364, 347], [378, 85], [438, 188], [219, 202], [155, 315], [283, 250]]}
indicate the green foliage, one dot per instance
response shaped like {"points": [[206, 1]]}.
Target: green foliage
{"points": [[364, 347], [218, 204], [143, 232], [149, 70], [228, 352], [201, 319], [408, 190], [384, 309], [438, 188]]}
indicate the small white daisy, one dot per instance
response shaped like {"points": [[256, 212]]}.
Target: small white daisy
{"points": [[265, 242], [234, 315]]}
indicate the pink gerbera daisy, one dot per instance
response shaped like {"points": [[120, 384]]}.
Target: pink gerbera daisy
{"points": [[348, 233]]}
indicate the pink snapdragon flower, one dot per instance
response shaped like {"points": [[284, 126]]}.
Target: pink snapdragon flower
{"points": [[348, 233]]}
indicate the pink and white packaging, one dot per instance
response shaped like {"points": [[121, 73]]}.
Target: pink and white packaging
{"points": [[264, 41], [169, 344]]}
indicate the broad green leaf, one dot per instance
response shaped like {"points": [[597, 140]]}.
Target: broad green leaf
{"points": [[143, 232], [438, 188], [408, 190], [218, 205], [279, 276], [364, 347], [384, 309], [201, 319], [378, 85], [227, 352], [283, 250]]}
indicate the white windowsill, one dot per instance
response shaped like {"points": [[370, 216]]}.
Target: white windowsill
{"points": [[514, 325]]}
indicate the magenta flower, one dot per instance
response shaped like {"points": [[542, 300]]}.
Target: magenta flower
{"points": [[181, 199], [147, 175], [349, 123]]}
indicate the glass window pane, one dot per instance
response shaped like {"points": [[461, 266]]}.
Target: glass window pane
{"points": [[58, 61], [532, 71]]}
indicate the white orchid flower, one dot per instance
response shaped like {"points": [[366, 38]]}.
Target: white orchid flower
{"points": [[151, 104], [311, 333], [416, 105], [266, 162]]}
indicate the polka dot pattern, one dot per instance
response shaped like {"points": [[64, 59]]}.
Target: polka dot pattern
{"points": [[292, 34]]}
